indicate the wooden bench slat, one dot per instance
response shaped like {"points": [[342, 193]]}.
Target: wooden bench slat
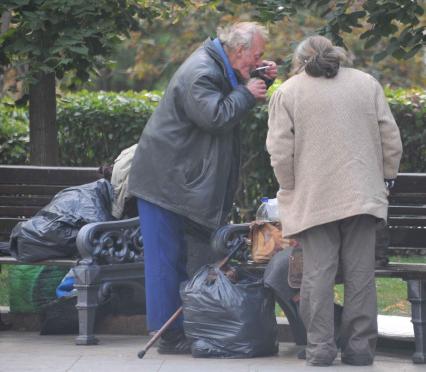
{"points": [[413, 182], [39, 201], [7, 224], [18, 211], [42, 175], [415, 238], [396, 221], [402, 270], [408, 199], [50, 190], [56, 262], [402, 210]]}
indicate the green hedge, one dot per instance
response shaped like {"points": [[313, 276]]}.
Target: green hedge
{"points": [[409, 110], [14, 134], [95, 126]]}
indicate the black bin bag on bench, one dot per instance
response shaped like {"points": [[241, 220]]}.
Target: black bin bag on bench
{"points": [[226, 318], [52, 232]]}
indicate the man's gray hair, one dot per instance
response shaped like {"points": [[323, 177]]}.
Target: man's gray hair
{"points": [[241, 34]]}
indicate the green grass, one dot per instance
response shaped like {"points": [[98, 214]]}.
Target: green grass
{"points": [[391, 296], [391, 292]]}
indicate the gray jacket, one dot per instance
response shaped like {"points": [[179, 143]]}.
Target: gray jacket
{"points": [[187, 159]]}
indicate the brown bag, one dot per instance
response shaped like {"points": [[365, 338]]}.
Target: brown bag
{"points": [[295, 267], [266, 239]]}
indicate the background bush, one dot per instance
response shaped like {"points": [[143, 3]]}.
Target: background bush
{"points": [[94, 127], [14, 134], [409, 108]]}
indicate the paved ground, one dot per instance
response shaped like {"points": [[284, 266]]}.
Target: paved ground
{"points": [[27, 351]]}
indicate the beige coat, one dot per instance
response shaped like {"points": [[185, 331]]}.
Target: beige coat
{"points": [[332, 143], [120, 180]]}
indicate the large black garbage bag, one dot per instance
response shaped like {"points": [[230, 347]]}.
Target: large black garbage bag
{"points": [[229, 319], [52, 232]]}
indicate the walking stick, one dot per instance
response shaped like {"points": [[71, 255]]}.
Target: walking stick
{"points": [[166, 325]]}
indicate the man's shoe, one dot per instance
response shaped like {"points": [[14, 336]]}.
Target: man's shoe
{"points": [[357, 360], [320, 360], [301, 354], [173, 341]]}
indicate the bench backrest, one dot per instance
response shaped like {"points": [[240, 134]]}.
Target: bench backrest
{"points": [[24, 190], [407, 213]]}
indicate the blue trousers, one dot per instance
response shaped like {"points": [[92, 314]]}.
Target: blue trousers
{"points": [[165, 262]]}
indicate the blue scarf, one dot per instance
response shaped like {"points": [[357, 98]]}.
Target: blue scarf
{"points": [[229, 70]]}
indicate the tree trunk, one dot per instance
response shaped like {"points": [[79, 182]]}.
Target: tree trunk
{"points": [[5, 21], [43, 130]]}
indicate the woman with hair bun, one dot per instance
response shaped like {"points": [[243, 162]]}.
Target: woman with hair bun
{"points": [[333, 142]]}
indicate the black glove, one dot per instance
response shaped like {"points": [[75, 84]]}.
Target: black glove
{"points": [[389, 183]]}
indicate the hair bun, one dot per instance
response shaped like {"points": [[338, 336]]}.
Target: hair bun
{"points": [[323, 64], [313, 66]]}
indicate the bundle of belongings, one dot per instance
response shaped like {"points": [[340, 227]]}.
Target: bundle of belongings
{"points": [[267, 239], [229, 313], [52, 232]]}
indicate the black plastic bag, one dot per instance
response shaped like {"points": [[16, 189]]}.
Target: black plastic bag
{"points": [[59, 317], [52, 232], [226, 319]]}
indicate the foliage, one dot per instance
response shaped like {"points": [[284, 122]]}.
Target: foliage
{"points": [[149, 58], [60, 35], [397, 21], [409, 110], [51, 37], [14, 134], [94, 127]]}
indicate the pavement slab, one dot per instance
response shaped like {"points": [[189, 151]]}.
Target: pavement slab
{"points": [[28, 351]]}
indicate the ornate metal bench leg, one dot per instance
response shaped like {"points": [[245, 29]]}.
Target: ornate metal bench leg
{"points": [[87, 303], [417, 298]]}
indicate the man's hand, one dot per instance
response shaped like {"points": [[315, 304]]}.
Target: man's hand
{"points": [[272, 71], [257, 87]]}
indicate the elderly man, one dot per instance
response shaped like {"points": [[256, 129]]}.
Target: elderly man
{"points": [[186, 164]]}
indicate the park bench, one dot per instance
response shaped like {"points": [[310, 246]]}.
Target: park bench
{"points": [[109, 253], [407, 237]]}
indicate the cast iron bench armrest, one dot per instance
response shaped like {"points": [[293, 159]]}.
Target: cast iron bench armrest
{"points": [[112, 253], [111, 242]]}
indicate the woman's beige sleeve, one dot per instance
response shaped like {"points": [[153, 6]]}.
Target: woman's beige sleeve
{"points": [[390, 136], [280, 140]]}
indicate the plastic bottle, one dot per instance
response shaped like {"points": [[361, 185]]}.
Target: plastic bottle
{"points": [[262, 211], [273, 210], [268, 210]]}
